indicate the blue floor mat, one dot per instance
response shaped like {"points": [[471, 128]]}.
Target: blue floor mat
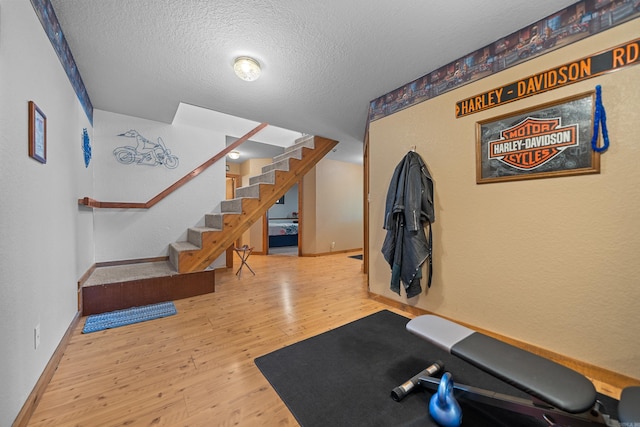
{"points": [[114, 319]]}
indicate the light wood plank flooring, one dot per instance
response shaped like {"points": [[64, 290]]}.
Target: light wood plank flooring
{"points": [[196, 368]]}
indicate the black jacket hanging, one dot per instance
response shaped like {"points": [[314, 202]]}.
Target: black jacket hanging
{"points": [[409, 207]]}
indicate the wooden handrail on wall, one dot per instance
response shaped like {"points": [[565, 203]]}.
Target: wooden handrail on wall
{"points": [[88, 201]]}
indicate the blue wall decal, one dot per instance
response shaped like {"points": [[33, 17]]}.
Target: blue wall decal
{"points": [[145, 152], [86, 147]]}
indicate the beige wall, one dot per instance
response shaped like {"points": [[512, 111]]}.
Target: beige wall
{"points": [[553, 262], [309, 218], [332, 208]]}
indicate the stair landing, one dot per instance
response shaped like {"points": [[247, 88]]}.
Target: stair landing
{"points": [[118, 287]]}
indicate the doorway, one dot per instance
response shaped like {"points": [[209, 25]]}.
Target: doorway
{"points": [[282, 224]]}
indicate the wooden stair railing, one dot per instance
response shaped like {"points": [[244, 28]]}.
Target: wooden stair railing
{"points": [[89, 202]]}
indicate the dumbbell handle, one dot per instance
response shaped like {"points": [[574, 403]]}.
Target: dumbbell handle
{"points": [[402, 390]]}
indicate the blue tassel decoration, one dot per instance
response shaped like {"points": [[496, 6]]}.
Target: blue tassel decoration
{"points": [[600, 117]]}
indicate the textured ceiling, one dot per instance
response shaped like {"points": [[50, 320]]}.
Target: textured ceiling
{"points": [[323, 61]]}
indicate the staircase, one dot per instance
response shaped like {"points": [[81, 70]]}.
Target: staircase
{"points": [[221, 230]]}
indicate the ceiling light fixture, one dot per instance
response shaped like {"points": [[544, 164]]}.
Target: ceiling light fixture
{"points": [[234, 155], [246, 68]]}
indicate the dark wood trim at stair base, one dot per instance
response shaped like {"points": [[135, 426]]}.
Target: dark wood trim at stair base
{"points": [[81, 281], [591, 371], [134, 293], [32, 401]]}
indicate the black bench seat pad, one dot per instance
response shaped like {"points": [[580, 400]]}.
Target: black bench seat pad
{"points": [[542, 378], [548, 381]]}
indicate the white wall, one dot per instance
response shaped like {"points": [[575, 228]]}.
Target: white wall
{"points": [[46, 239], [146, 233]]}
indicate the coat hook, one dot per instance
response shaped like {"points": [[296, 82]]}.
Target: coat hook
{"points": [[413, 148]]}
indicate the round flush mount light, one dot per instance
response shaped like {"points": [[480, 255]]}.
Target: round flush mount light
{"points": [[246, 68], [234, 155]]}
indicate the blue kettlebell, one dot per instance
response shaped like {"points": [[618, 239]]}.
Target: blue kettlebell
{"points": [[443, 407]]}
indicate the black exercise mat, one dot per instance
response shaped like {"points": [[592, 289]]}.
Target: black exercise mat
{"points": [[344, 377]]}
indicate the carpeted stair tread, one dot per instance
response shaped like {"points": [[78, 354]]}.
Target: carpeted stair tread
{"points": [[127, 272], [184, 246]]}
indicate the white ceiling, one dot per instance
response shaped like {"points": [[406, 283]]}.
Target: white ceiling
{"points": [[323, 61], [267, 143]]}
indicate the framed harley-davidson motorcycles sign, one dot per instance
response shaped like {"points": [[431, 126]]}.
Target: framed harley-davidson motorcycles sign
{"points": [[551, 140]]}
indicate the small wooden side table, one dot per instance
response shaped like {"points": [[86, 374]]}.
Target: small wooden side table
{"points": [[244, 253]]}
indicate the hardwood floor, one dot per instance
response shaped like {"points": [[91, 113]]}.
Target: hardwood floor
{"points": [[196, 368]]}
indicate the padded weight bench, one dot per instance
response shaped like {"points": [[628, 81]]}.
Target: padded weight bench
{"points": [[561, 396]]}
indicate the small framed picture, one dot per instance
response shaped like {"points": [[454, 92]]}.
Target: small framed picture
{"points": [[37, 133]]}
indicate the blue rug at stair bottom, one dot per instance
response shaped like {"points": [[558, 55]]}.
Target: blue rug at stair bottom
{"points": [[114, 319]]}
